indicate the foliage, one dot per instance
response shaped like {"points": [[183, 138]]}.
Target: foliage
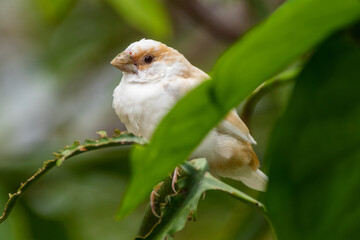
{"points": [[263, 52], [177, 208], [286, 77], [314, 150], [147, 15], [155, 22], [56, 10]]}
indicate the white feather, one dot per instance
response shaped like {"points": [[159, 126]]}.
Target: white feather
{"points": [[254, 179], [232, 130]]}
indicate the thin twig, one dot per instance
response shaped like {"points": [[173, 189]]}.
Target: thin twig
{"points": [[282, 79], [118, 139]]}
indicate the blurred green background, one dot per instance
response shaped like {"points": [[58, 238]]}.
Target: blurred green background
{"points": [[56, 86]]}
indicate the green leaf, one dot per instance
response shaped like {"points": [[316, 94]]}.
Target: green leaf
{"points": [[292, 30], [177, 209], [55, 10], [314, 151], [149, 16]]}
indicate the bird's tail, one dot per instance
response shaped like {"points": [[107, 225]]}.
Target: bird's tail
{"points": [[254, 179]]}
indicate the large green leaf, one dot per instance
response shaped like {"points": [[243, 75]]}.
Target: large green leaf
{"points": [[149, 16], [314, 151], [291, 31]]}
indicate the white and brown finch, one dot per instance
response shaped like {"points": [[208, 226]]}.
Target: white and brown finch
{"points": [[155, 77]]}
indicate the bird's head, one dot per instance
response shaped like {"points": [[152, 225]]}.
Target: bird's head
{"points": [[148, 60]]}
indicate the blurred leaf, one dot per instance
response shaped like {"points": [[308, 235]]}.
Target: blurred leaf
{"points": [[55, 10], [314, 151], [149, 16], [42, 228], [257, 57], [176, 209]]}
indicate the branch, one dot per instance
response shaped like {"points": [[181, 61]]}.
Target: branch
{"points": [[118, 139], [281, 79]]}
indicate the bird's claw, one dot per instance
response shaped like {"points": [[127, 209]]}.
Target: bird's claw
{"points": [[153, 195], [174, 178]]}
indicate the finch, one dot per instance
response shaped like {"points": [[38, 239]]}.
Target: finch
{"points": [[155, 77]]}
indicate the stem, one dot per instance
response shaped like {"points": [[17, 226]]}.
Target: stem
{"points": [[284, 78], [118, 139]]}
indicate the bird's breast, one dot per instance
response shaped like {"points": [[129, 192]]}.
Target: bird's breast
{"points": [[140, 106]]}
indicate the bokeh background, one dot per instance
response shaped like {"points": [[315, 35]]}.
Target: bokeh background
{"points": [[56, 86]]}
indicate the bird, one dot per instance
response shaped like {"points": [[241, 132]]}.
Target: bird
{"points": [[154, 78]]}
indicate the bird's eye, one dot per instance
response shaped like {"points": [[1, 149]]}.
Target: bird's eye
{"points": [[148, 59]]}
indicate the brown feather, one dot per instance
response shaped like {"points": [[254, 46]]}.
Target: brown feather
{"points": [[160, 53], [241, 154], [235, 120]]}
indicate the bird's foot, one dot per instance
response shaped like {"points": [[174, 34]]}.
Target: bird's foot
{"points": [[174, 178], [153, 195]]}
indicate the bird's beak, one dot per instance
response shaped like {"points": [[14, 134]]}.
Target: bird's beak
{"points": [[124, 62]]}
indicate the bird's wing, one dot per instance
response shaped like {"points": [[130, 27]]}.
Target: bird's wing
{"points": [[244, 162], [234, 126], [194, 78]]}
